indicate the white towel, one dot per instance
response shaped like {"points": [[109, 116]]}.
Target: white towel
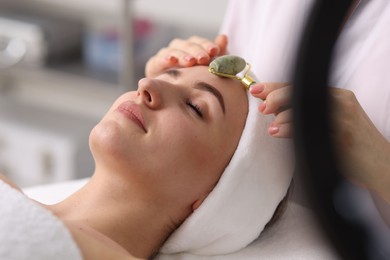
{"points": [[296, 236], [28, 231]]}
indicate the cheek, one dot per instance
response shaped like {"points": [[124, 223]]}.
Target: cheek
{"points": [[191, 146], [195, 161], [188, 140]]}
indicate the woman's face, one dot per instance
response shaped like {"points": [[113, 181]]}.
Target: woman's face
{"points": [[175, 135]]}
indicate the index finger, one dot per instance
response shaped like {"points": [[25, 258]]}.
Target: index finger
{"points": [[261, 90]]}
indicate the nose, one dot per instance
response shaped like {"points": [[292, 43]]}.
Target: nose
{"points": [[150, 93]]}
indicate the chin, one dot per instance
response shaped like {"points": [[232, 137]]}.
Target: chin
{"points": [[114, 150], [107, 140]]}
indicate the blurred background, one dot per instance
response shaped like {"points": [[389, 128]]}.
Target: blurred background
{"points": [[63, 63]]}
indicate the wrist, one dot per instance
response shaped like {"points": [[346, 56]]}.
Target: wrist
{"points": [[381, 185]]}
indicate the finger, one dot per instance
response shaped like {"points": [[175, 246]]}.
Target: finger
{"points": [[283, 117], [222, 42], [167, 58], [277, 101], [184, 59], [281, 130], [194, 48], [158, 64], [213, 48], [256, 90], [263, 89]]}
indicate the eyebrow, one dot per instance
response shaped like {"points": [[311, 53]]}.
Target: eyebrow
{"points": [[201, 85]]}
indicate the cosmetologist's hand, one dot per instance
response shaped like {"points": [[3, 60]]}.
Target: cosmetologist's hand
{"points": [[186, 53], [363, 151]]}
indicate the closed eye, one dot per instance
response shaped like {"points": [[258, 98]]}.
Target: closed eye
{"points": [[195, 108]]}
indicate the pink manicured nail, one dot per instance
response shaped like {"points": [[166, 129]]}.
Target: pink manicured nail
{"points": [[203, 60], [189, 58], [171, 58], [256, 89], [273, 130], [262, 106], [212, 50]]}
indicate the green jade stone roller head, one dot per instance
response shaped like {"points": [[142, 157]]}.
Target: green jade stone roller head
{"points": [[229, 66]]}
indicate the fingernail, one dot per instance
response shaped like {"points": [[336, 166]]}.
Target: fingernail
{"points": [[212, 50], [273, 130], [256, 88], [202, 59], [262, 106], [171, 58]]}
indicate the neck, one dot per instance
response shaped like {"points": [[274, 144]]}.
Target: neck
{"points": [[120, 213]]}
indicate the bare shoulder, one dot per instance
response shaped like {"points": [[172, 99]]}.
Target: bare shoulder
{"points": [[9, 182], [94, 248]]}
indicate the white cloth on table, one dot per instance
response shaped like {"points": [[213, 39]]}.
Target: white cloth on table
{"points": [[295, 237]]}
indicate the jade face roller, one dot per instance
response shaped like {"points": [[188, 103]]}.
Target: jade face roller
{"points": [[231, 66]]}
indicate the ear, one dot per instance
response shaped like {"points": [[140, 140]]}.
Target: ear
{"points": [[198, 202]]}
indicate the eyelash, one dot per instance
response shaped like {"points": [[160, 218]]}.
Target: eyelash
{"points": [[195, 108]]}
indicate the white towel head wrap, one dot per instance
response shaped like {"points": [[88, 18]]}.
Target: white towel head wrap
{"points": [[246, 196]]}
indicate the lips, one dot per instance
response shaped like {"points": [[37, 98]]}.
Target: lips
{"points": [[133, 112]]}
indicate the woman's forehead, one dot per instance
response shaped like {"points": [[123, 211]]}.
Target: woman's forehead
{"points": [[201, 73], [232, 91]]}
